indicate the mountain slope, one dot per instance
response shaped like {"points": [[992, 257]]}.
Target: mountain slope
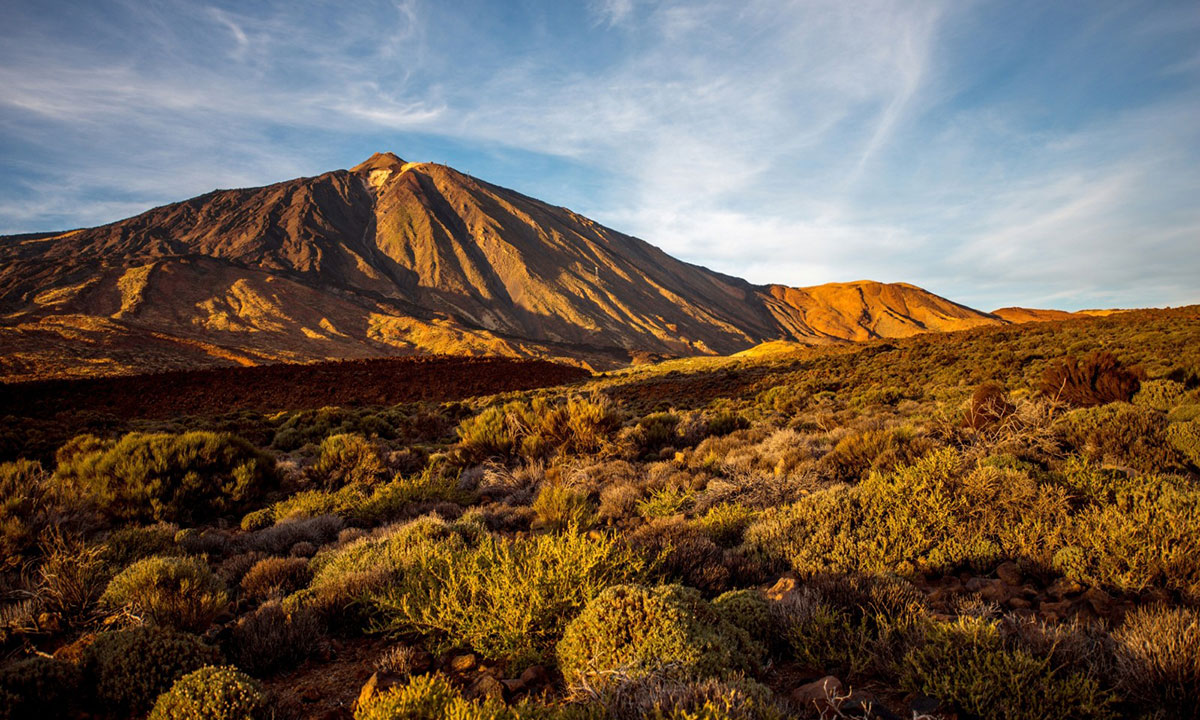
{"points": [[391, 258]]}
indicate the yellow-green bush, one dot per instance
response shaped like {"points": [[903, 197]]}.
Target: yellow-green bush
{"points": [[560, 505], [348, 458], [537, 428], [749, 610], [1123, 434], [191, 477], [38, 687], [637, 630], [25, 508], [881, 450], [726, 522], [179, 592], [127, 545], [666, 502], [371, 505], [129, 669], [432, 697], [1184, 437], [967, 662], [212, 693], [504, 598], [936, 515]]}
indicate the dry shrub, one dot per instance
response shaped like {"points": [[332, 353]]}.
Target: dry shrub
{"points": [[1093, 379], [272, 639], [1158, 658], [73, 577], [560, 505], [989, 406], [348, 458], [859, 453], [683, 551], [179, 592], [618, 501], [276, 576]]}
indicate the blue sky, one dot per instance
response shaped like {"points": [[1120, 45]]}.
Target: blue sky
{"points": [[997, 153]]}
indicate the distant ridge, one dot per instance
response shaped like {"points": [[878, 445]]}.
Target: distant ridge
{"points": [[398, 258]]}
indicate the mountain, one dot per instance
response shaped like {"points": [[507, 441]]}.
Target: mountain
{"points": [[397, 258]]}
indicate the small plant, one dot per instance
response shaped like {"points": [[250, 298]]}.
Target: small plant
{"points": [[129, 669], [179, 592], [559, 506], [989, 406], [212, 693], [665, 503], [400, 659], [1094, 379], [25, 508], [274, 638]]}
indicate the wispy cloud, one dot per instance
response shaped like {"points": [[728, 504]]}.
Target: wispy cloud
{"points": [[998, 155]]}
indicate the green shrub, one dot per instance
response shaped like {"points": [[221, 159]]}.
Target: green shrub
{"points": [[212, 693], [668, 629], [38, 687], [505, 598], [432, 697], [924, 517], [179, 478], [967, 662], [537, 429], [1094, 379], [129, 669], [179, 592], [681, 552], [665, 503], [656, 431], [258, 519], [749, 610], [880, 450], [1162, 395], [348, 458], [559, 506], [1123, 434], [127, 545], [1158, 658], [1184, 437], [365, 505], [726, 522]]}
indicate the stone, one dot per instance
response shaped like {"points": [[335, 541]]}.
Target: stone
{"points": [[1055, 610], [367, 692], [1100, 601], [488, 686], [816, 695], [534, 676], [1018, 603], [924, 704], [783, 588], [464, 663], [513, 685], [1009, 573]]}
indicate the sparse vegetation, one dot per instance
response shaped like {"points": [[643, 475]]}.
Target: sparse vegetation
{"points": [[922, 519]]}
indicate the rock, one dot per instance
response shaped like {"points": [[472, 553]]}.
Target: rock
{"points": [[1063, 587], [1055, 610], [816, 695], [310, 695], [367, 692], [534, 676], [464, 663], [513, 685], [488, 686], [783, 588], [995, 591], [1100, 601], [1018, 603], [924, 705], [1009, 573]]}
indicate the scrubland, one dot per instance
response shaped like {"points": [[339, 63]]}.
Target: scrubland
{"points": [[997, 523]]}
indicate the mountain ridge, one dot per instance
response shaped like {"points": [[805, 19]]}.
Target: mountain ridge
{"points": [[392, 257]]}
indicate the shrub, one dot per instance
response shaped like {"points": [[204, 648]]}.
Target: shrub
{"points": [[665, 503], [1094, 379], [505, 598], [968, 663], [180, 478], [25, 508], [638, 631], [1158, 658], [989, 406], [273, 638], [38, 687], [881, 450], [749, 610], [681, 552], [1161, 395], [212, 693], [726, 522], [128, 669], [432, 697], [348, 458], [179, 592], [656, 431], [559, 506], [276, 576], [537, 429], [1184, 437], [1123, 434], [72, 577], [127, 545]]}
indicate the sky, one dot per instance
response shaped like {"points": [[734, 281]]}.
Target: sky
{"points": [[1043, 154]]}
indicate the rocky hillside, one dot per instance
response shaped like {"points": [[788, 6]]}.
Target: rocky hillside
{"points": [[396, 258]]}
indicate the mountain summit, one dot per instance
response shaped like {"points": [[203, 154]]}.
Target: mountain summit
{"points": [[390, 258]]}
